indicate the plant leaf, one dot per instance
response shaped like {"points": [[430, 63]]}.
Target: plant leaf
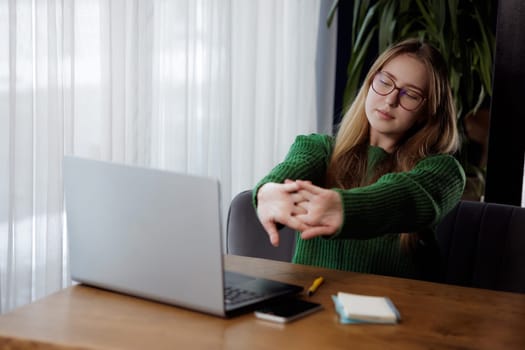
{"points": [[331, 13]]}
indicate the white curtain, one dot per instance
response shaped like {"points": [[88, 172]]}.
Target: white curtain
{"points": [[212, 87]]}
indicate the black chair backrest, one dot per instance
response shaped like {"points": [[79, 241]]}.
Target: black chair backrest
{"points": [[482, 244]]}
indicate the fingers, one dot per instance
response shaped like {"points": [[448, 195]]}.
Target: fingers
{"points": [[290, 186], [301, 206], [299, 209], [297, 197], [273, 233], [296, 224], [308, 191], [316, 231], [308, 186]]}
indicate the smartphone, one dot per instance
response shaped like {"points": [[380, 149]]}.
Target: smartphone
{"points": [[287, 310]]}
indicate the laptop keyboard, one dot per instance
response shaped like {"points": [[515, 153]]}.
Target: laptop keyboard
{"points": [[236, 295]]}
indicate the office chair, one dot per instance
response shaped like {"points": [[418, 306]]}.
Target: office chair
{"points": [[482, 244]]}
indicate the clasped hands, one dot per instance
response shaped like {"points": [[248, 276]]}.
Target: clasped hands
{"points": [[300, 205]]}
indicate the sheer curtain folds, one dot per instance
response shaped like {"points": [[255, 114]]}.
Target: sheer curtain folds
{"points": [[33, 84], [212, 87]]}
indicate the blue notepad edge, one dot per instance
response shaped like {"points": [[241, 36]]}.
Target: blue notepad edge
{"points": [[345, 320]]}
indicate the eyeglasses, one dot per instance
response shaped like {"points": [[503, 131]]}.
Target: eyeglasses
{"points": [[408, 99]]}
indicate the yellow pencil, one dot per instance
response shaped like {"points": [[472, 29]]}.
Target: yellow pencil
{"points": [[317, 282]]}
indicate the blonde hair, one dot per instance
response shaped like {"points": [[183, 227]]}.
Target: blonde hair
{"points": [[435, 133]]}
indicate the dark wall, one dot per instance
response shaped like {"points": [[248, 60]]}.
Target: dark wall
{"points": [[344, 47], [507, 115]]}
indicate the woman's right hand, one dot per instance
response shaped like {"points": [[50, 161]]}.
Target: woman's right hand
{"points": [[276, 204]]}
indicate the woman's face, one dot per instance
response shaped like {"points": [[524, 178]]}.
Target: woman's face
{"points": [[396, 100]]}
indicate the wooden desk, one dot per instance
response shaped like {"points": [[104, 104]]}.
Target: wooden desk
{"points": [[434, 316]]}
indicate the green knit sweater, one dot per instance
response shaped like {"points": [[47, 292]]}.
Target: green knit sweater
{"points": [[374, 215]]}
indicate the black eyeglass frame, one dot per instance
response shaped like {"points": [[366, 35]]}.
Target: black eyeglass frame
{"points": [[402, 91]]}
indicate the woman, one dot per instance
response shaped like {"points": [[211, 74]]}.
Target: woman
{"points": [[369, 199]]}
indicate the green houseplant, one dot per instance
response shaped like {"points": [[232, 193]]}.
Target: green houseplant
{"points": [[460, 29]]}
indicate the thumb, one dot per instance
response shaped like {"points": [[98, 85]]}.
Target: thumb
{"points": [[315, 231]]}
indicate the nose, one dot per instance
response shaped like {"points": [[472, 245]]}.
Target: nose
{"points": [[393, 97]]}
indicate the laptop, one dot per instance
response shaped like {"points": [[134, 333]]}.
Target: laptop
{"points": [[157, 235]]}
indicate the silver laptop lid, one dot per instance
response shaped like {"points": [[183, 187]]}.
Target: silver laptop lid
{"points": [[135, 230]]}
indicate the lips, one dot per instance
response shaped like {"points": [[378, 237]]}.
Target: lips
{"points": [[384, 114]]}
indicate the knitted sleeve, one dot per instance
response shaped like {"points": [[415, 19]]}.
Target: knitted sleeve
{"points": [[307, 159], [403, 202]]}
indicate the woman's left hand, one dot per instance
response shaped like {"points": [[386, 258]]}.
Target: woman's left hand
{"points": [[324, 210]]}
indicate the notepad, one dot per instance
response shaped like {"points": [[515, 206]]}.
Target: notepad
{"points": [[357, 308]]}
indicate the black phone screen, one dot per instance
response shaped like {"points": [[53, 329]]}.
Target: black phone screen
{"points": [[287, 310]]}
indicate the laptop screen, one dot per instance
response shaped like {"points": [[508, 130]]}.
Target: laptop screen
{"points": [[146, 232]]}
